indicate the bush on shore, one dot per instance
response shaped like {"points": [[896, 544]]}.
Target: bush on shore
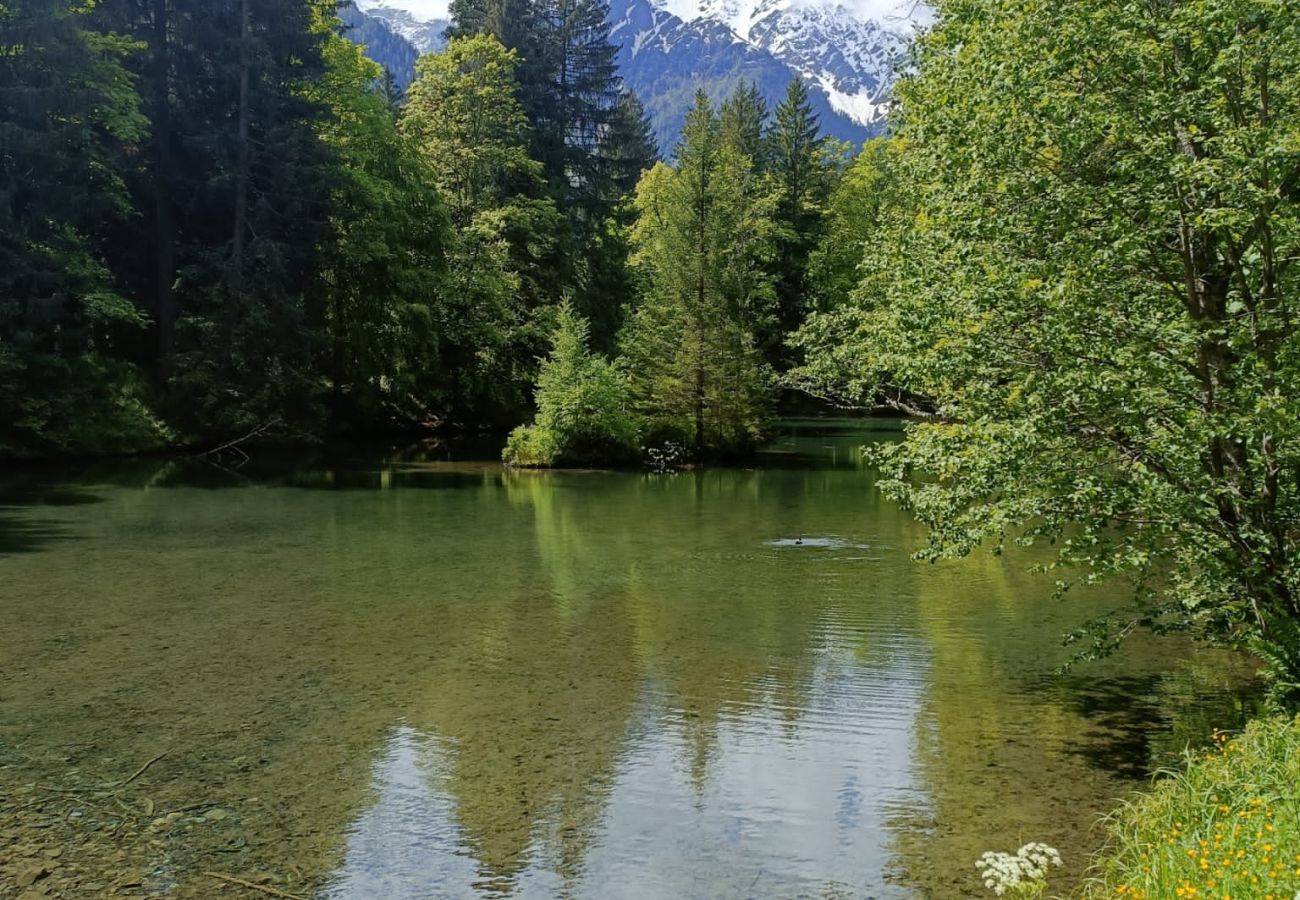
{"points": [[583, 415], [1227, 826]]}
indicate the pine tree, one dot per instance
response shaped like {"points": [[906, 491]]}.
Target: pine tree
{"points": [[701, 240], [743, 119], [798, 159], [626, 153]]}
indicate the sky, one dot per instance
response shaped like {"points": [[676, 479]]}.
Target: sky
{"points": [[878, 10]]}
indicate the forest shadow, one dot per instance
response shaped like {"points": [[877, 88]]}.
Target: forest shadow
{"points": [[1142, 724], [22, 531], [19, 534], [1122, 715]]}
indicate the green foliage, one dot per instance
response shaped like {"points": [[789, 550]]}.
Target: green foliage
{"points": [[589, 138], [70, 113], [466, 120], [583, 413], [1087, 273], [702, 238], [464, 114], [805, 167], [853, 216], [216, 217], [742, 121], [1226, 826]]}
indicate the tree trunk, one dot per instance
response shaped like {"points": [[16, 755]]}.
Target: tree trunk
{"points": [[242, 155], [164, 214]]}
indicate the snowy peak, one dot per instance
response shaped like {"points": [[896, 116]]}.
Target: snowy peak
{"points": [[848, 50], [420, 27]]}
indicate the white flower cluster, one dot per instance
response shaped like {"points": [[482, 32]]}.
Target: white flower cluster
{"points": [[1021, 872]]}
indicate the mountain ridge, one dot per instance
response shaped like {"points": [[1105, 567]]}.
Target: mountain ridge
{"points": [[667, 49]]}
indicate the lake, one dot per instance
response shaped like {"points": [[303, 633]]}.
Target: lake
{"points": [[407, 675]]}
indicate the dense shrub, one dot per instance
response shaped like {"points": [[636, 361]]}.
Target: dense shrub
{"points": [[1226, 826], [582, 407]]}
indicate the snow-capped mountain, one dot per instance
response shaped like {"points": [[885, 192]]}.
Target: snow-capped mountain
{"points": [[421, 25], [847, 51], [847, 48]]}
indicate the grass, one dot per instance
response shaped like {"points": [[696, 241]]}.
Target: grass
{"points": [[1226, 827]]}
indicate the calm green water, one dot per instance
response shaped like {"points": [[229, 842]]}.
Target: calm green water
{"points": [[440, 679]]}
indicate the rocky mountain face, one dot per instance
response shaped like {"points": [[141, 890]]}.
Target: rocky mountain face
{"points": [[848, 62], [424, 34], [382, 43], [669, 48]]}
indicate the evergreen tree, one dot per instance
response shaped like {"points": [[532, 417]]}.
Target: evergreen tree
{"points": [[798, 159], [701, 239], [627, 152], [571, 96], [743, 120], [627, 146], [583, 414]]}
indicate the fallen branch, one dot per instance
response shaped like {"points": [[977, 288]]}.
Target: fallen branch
{"points": [[39, 801], [233, 444], [140, 771], [254, 886]]}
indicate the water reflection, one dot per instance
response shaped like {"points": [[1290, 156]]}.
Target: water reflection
{"points": [[412, 679], [768, 800]]}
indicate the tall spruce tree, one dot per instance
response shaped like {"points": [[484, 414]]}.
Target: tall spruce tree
{"points": [[627, 152], [627, 146], [702, 238], [743, 120], [797, 157]]}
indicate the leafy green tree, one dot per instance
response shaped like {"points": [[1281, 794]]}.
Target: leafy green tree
{"points": [[583, 409], [702, 239], [854, 215], [382, 280], [69, 112], [464, 114], [466, 120], [1092, 276]]}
